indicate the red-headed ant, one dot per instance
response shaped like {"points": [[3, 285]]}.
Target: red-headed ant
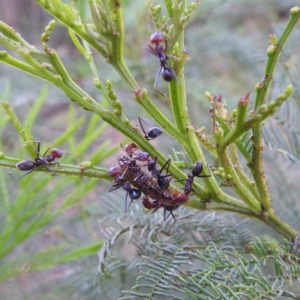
{"points": [[130, 148], [133, 193], [196, 171], [168, 74], [152, 133], [156, 205], [40, 161]]}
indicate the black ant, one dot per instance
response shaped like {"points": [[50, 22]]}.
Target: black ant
{"points": [[196, 171], [40, 161], [133, 193], [168, 74], [162, 181], [152, 133]]}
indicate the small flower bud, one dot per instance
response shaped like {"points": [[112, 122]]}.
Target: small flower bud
{"points": [[272, 104], [244, 100], [271, 50], [263, 108], [295, 10], [273, 39], [289, 90], [208, 96], [259, 86], [85, 165]]}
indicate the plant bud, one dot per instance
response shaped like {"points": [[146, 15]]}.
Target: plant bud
{"points": [[273, 39], [295, 10], [259, 86], [271, 50], [85, 165]]}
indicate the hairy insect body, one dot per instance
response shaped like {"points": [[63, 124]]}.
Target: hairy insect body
{"points": [[148, 185]]}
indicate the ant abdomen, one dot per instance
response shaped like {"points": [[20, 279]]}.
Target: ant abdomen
{"points": [[197, 169], [167, 74], [154, 132], [25, 165], [134, 194]]}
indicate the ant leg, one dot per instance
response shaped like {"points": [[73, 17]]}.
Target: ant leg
{"points": [[46, 151], [152, 50], [21, 175], [38, 148], [166, 165], [140, 120], [156, 78], [155, 83], [170, 214], [52, 172], [126, 208], [114, 187]]}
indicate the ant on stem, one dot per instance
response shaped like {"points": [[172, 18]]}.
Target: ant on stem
{"points": [[152, 133], [40, 161], [168, 74], [196, 171]]}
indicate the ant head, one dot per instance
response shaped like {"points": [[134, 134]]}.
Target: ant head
{"points": [[156, 37], [163, 183], [167, 74], [56, 153], [130, 148], [148, 204], [197, 169], [114, 171]]}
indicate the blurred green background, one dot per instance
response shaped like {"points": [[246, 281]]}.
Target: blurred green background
{"points": [[226, 42]]}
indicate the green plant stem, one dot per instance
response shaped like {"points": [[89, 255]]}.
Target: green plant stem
{"points": [[178, 94], [11, 61], [77, 27], [117, 56], [215, 193], [236, 182], [239, 126], [239, 144], [30, 146], [249, 185], [256, 168], [278, 225], [230, 204], [256, 163], [273, 58]]}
